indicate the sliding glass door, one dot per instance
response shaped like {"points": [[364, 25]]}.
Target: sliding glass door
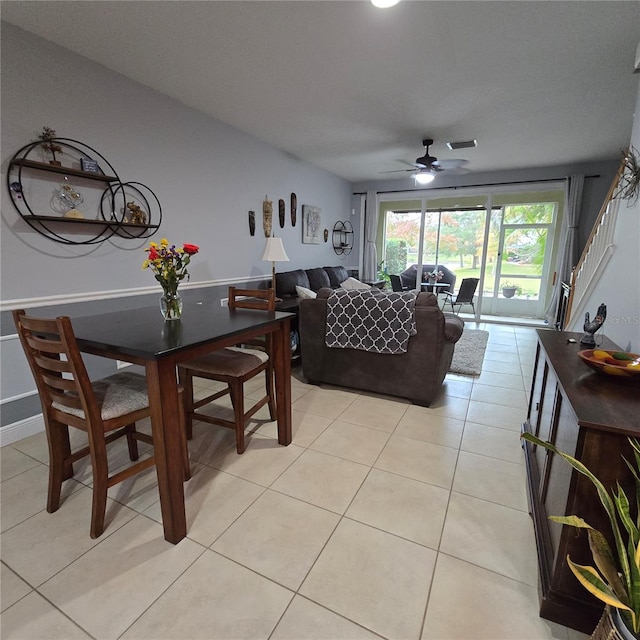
{"points": [[510, 250]]}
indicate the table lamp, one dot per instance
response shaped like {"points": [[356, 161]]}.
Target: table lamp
{"points": [[274, 251]]}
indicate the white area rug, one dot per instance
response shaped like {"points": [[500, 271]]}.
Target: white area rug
{"points": [[469, 352]]}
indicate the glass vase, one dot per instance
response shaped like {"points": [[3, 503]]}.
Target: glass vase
{"points": [[171, 306]]}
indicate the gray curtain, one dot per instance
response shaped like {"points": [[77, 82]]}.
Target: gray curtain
{"points": [[568, 252], [370, 262]]}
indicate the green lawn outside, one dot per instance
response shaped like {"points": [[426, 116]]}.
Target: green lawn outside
{"points": [[527, 286]]}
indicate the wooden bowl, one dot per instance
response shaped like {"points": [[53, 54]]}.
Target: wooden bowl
{"points": [[612, 363]]}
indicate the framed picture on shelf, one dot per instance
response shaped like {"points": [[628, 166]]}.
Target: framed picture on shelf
{"points": [[311, 219], [89, 165]]}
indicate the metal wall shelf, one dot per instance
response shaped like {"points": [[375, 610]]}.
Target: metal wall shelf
{"points": [[115, 197]]}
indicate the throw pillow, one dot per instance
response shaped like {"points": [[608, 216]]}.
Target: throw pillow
{"points": [[304, 293], [351, 284]]}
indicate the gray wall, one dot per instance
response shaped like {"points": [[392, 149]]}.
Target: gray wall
{"points": [[619, 283], [207, 175]]}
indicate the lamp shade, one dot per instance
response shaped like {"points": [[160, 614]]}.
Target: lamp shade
{"points": [[274, 251]]}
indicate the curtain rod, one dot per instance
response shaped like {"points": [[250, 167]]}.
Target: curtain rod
{"points": [[467, 186]]}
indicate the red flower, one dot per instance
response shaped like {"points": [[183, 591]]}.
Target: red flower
{"points": [[153, 254], [191, 249]]}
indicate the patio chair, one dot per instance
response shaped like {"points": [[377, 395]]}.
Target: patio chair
{"points": [[465, 294], [105, 409], [233, 366], [397, 284]]}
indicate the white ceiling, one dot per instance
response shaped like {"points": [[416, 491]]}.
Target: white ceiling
{"points": [[354, 89]]}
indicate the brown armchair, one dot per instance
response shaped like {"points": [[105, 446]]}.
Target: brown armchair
{"points": [[417, 374]]}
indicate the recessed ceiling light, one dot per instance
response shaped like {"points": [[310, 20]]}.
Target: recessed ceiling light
{"points": [[384, 4], [462, 144]]}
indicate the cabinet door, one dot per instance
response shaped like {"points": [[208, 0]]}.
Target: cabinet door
{"points": [[546, 417], [537, 386]]}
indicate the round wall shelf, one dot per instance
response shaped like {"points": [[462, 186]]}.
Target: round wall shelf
{"points": [[342, 238], [84, 197]]}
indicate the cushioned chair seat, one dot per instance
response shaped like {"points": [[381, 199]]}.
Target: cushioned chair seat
{"points": [[233, 361], [116, 395]]}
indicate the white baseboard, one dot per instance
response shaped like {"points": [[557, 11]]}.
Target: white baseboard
{"points": [[23, 429]]}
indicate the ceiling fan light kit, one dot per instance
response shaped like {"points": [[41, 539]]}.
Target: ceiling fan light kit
{"points": [[427, 166], [423, 177]]}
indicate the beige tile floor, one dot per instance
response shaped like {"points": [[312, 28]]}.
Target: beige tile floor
{"points": [[381, 520]]}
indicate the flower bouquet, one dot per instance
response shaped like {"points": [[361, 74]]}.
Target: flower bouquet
{"points": [[169, 265], [434, 276]]}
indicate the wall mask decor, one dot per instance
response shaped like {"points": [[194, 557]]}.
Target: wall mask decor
{"points": [[267, 217], [281, 212], [311, 220], [294, 206], [252, 223], [326, 234]]}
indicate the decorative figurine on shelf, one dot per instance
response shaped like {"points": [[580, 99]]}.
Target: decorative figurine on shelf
{"points": [[16, 188], [48, 135], [138, 216], [71, 198], [590, 327]]}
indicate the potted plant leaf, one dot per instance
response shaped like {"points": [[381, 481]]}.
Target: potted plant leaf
{"points": [[615, 579]]}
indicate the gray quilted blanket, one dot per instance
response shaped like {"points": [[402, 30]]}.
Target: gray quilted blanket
{"points": [[370, 320]]}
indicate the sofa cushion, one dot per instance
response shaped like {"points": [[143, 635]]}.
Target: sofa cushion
{"points": [[337, 275], [286, 282], [318, 278]]}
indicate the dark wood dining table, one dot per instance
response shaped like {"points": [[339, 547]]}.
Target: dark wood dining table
{"points": [[143, 337]]}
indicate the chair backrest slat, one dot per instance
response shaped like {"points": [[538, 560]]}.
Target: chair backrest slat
{"points": [[264, 299], [55, 361]]}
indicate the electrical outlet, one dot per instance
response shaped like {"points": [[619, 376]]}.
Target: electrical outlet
{"points": [[224, 302], [121, 364]]}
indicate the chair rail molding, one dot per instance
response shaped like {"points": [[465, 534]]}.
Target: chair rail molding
{"points": [[92, 296]]}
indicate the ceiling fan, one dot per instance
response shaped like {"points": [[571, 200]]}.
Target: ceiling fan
{"points": [[426, 167]]}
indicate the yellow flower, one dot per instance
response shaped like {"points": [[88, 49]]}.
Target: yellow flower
{"points": [[164, 242], [145, 264]]}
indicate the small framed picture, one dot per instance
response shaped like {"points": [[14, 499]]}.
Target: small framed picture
{"points": [[89, 165], [311, 224]]}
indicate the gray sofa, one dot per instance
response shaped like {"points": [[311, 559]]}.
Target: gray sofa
{"points": [[417, 374], [314, 279]]}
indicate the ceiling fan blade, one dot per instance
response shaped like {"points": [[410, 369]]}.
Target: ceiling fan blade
{"points": [[452, 163], [411, 164]]}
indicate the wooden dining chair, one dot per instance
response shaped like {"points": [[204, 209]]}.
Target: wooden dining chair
{"points": [[233, 366], [105, 409]]}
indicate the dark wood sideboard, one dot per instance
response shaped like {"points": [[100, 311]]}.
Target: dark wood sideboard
{"points": [[589, 416]]}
